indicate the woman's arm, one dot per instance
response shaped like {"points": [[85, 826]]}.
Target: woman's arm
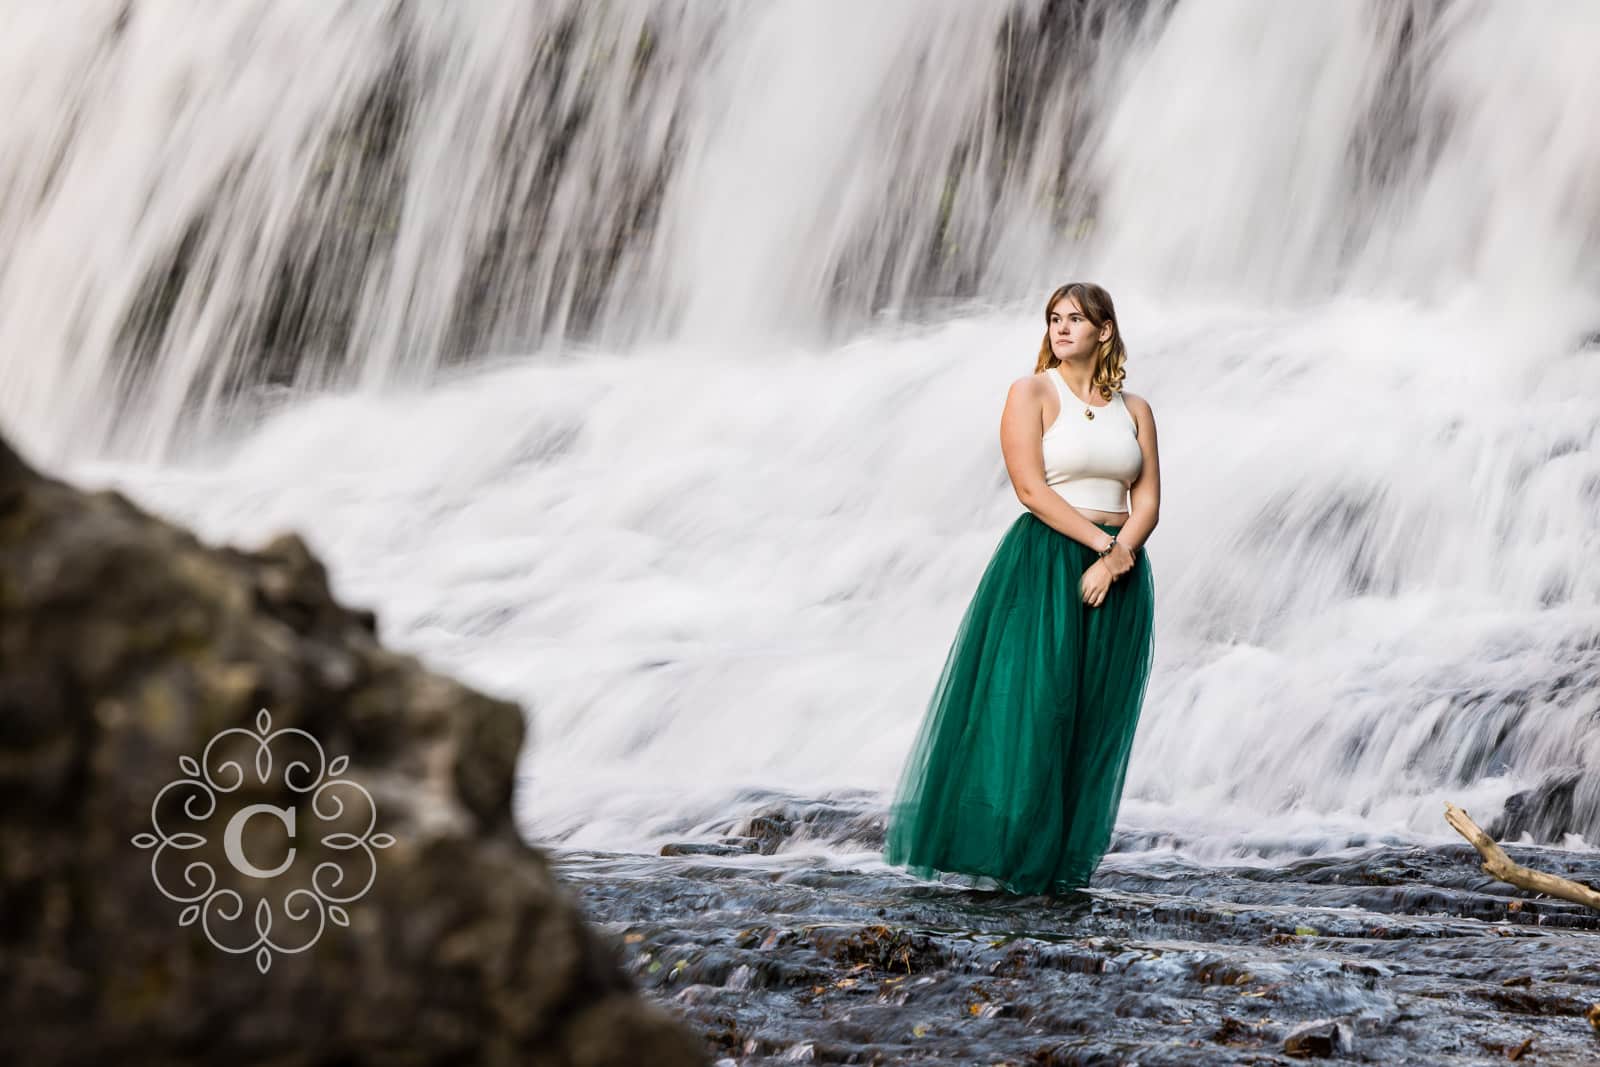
{"points": [[1021, 442], [1144, 497]]}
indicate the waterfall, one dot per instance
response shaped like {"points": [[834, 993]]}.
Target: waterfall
{"points": [[190, 219], [641, 360]]}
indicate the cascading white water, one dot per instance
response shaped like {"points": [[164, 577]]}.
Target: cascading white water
{"points": [[790, 168], [197, 199], [719, 548]]}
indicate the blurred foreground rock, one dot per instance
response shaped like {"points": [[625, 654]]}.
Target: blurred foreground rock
{"points": [[125, 647]]}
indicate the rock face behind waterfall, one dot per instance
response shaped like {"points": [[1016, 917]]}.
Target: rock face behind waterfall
{"points": [[125, 645]]}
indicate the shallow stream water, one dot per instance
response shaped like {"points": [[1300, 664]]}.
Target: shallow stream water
{"points": [[1384, 954]]}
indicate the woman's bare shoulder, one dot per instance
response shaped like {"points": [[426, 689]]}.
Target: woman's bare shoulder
{"points": [[1137, 404], [1028, 387]]}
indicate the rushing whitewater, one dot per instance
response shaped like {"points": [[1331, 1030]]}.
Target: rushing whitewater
{"points": [[643, 362]]}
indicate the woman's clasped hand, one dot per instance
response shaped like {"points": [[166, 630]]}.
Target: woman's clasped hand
{"points": [[1096, 581]]}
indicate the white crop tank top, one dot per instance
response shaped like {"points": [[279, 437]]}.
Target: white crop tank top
{"points": [[1091, 463]]}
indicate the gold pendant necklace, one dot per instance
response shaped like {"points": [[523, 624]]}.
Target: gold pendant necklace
{"points": [[1088, 412]]}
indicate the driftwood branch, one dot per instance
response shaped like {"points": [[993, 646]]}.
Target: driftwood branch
{"points": [[1501, 866]]}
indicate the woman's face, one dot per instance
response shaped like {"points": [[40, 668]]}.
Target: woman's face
{"points": [[1072, 335]]}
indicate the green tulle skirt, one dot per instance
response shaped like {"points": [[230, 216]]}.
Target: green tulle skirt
{"points": [[1016, 772]]}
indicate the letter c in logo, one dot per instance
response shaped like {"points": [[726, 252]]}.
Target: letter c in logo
{"points": [[235, 849]]}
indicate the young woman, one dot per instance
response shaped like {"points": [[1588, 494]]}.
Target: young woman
{"points": [[1017, 769]]}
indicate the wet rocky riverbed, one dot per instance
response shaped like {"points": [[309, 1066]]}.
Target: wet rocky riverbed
{"points": [[778, 949]]}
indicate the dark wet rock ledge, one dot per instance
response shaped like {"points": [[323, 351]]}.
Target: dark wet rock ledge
{"points": [[1379, 954], [125, 646]]}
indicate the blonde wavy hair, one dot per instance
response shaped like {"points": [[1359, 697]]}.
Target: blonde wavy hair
{"points": [[1112, 358]]}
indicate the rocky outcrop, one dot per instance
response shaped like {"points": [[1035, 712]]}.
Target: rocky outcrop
{"points": [[1548, 812], [409, 923]]}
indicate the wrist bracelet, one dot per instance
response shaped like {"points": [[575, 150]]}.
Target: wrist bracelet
{"points": [[1109, 547]]}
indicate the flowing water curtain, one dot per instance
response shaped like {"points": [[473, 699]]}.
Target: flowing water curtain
{"points": [[202, 203], [192, 218]]}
